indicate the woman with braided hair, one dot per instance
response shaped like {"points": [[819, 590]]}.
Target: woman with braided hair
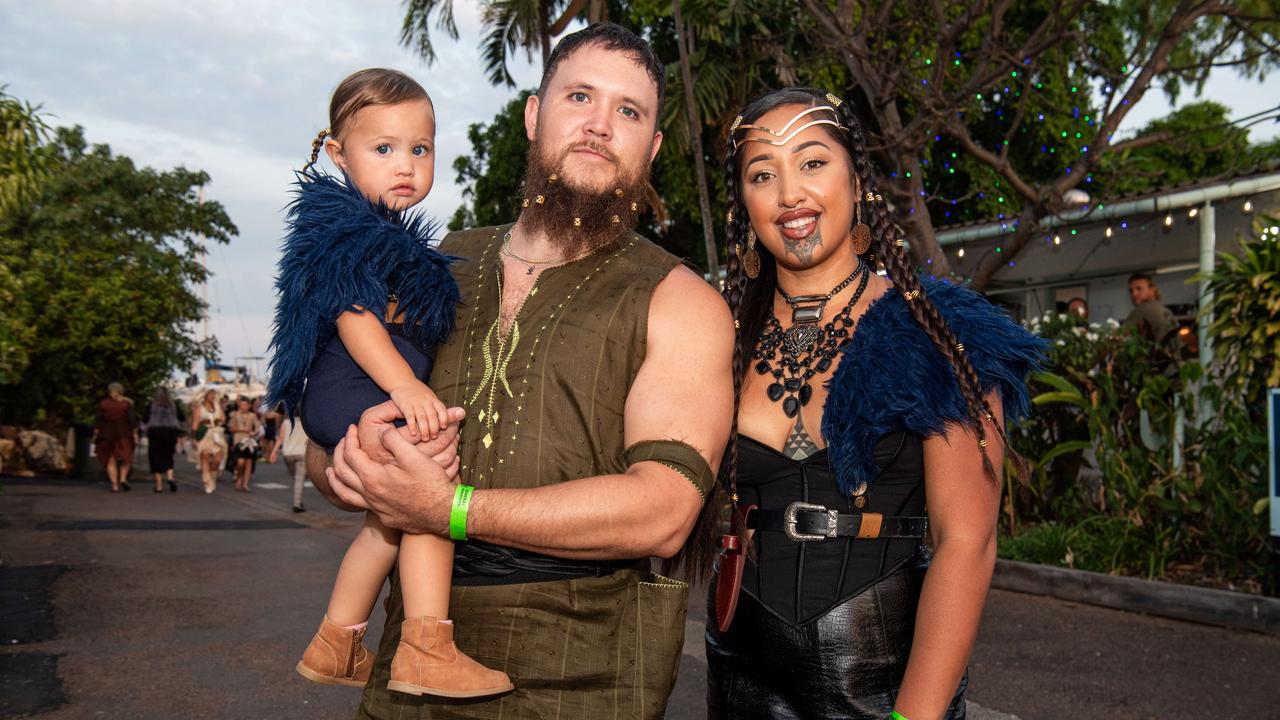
{"points": [[860, 397]]}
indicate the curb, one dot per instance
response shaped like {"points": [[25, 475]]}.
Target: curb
{"points": [[1152, 597]]}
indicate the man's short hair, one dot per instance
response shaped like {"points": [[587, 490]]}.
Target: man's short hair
{"points": [[1142, 276], [609, 36]]}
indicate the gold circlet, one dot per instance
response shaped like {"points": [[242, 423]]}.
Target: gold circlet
{"points": [[783, 135]]}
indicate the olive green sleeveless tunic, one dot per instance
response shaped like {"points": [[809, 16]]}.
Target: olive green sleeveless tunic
{"points": [[545, 405]]}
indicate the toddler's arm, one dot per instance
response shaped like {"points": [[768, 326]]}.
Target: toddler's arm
{"points": [[369, 344]]}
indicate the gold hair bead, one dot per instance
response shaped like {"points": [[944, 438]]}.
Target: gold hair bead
{"points": [[835, 101], [635, 207], [871, 197], [982, 442], [728, 217], [737, 325], [900, 242], [879, 198], [540, 200], [616, 219], [525, 203], [577, 222], [989, 417], [618, 192], [734, 497], [960, 347], [733, 129], [911, 295], [553, 177]]}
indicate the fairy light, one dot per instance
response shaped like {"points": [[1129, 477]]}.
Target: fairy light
{"points": [[1248, 206], [960, 252], [1168, 221], [1057, 239], [1108, 232], [1192, 213]]}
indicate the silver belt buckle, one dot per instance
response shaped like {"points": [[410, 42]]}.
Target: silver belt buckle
{"points": [[789, 521]]}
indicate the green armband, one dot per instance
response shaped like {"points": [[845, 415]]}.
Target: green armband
{"points": [[458, 514], [895, 715]]}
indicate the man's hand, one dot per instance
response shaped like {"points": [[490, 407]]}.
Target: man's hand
{"points": [[380, 418], [412, 493]]}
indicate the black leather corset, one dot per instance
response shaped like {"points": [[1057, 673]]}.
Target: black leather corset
{"points": [[801, 581]]}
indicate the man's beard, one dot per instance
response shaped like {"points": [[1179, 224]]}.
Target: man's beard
{"points": [[574, 219]]}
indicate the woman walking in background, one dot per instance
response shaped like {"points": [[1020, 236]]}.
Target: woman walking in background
{"points": [[293, 446], [164, 422], [207, 421], [245, 427], [115, 435], [271, 431]]}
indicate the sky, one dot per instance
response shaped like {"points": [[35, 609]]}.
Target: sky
{"points": [[239, 89]]}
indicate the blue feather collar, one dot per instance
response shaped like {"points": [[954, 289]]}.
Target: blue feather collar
{"points": [[892, 378], [341, 253]]}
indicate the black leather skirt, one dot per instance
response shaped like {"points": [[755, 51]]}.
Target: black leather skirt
{"points": [[846, 665]]}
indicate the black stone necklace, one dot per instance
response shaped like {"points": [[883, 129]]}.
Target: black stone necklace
{"points": [[807, 347]]}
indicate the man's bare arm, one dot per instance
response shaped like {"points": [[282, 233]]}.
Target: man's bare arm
{"points": [[683, 391]]}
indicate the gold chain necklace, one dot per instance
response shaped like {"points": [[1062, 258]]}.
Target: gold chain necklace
{"points": [[532, 265]]}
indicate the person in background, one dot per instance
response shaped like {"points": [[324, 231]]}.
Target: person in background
{"points": [[115, 434], [164, 423], [270, 431], [1079, 307], [1154, 321], [245, 428], [207, 421], [293, 445]]}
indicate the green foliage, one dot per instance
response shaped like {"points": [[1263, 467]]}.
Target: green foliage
{"points": [[98, 268], [1107, 492], [22, 164], [1198, 143], [492, 174]]}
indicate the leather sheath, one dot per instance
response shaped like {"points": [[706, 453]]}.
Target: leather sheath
{"points": [[729, 578]]}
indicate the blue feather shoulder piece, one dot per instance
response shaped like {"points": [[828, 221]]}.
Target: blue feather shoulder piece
{"points": [[343, 252], [892, 378]]}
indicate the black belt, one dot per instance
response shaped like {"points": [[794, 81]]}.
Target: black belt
{"points": [[804, 522], [479, 563]]}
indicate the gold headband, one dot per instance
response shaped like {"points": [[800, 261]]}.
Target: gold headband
{"points": [[783, 136]]}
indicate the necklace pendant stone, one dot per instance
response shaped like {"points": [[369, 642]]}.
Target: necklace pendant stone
{"points": [[799, 337], [807, 313], [791, 406], [774, 391]]}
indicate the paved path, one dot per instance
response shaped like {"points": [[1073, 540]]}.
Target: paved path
{"points": [[192, 606]]}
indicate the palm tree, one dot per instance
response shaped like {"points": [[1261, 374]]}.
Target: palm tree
{"points": [[510, 27], [22, 164]]}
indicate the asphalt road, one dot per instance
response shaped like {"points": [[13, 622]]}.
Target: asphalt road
{"points": [[140, 605]]}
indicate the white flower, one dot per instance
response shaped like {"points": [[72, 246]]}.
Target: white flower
{"points": [[1093, 372], [1094, 326], [1062, 343], [1079, 331], [1048, 316], [1091, 337], [1111, 323]]}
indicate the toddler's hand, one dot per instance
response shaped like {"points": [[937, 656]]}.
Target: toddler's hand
{"points": [[424, 414]]}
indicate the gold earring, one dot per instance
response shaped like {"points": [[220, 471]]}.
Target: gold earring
{"points": [[751, 259], [861, 234]]}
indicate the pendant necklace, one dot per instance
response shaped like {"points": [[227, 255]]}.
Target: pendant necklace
{"points": [[532, 265], [808, 347]]}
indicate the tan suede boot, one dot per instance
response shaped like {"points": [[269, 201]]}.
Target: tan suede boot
{"points": [[336, 656], [428, 663]]}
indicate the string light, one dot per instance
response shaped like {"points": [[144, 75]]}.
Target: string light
{"points": [[1247, 207], [1108, 232], [1057, 239], [960, 253], [1168, 221], [1192, 213]]}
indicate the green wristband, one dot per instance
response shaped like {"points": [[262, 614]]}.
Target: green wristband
{"points": [[895, 715], [458, 514]]}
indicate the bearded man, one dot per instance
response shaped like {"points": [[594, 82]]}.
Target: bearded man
{"points": [[595, 372]]}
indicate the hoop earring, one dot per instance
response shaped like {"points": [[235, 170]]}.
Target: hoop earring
{"points": [[861, 235], [751, 259]]}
